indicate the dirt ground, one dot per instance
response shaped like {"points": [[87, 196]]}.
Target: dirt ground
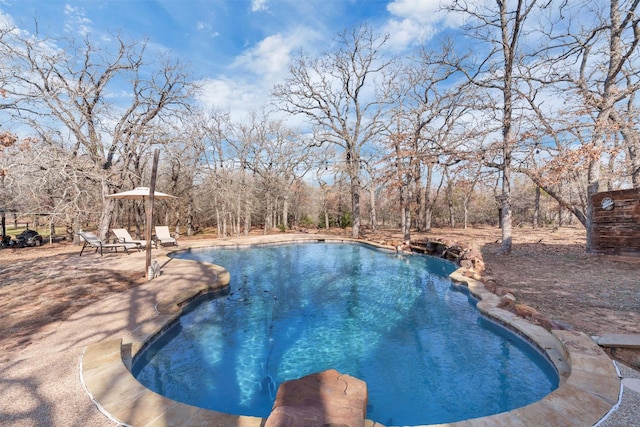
{"points": [[547, 270], [37, 290]]}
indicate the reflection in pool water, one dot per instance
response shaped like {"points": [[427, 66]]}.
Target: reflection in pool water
{"points": [[394, 321]]}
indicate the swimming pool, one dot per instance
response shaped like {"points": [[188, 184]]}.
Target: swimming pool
{"points": [[424, 350]]}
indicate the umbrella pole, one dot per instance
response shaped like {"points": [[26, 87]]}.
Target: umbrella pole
{"points": [[152, 189]]}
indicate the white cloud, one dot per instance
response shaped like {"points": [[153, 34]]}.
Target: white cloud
{"points": [[415, 21], [269, 57], [268, 60], [203, 26], [206, 28], [422, 10], [6, 21], [77, 20], [239, 96], [258, 5], [404, 33], [255, 72]]}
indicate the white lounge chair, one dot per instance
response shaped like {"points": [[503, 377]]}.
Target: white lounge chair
{"points": [[164, 236], [92, 240], [123, 236]]}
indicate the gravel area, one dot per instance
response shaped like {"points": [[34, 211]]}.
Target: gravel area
{"points": [[628, 412]]}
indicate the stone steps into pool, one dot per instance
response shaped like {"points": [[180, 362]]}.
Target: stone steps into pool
{"points": [[619, 341], [320, 399]]}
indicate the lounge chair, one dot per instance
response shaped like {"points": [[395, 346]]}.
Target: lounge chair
{"points": [[123, 236], [92, 240], [164, 236]]}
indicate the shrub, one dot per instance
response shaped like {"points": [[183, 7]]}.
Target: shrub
{"points": [[346, 220], [306, 221]]}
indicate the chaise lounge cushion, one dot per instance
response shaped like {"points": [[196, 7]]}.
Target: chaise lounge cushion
{"points": [[164, 236], [92, 240]]}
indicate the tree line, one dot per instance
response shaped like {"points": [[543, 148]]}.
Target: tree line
{"points": [[522, 118]]}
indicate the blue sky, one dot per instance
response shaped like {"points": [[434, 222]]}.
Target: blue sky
{"points": [[238, 48]]}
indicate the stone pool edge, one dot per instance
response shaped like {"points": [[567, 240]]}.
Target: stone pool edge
{"points": [[589, 389]]}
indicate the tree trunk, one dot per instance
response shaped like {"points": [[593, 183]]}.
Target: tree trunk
{"points": [[507, 140], [247, 217], [449, 194], [406, 223], [247, 223], [405, 209], [466, 214], [428, 214], [452, 216], [274, 213], [218, 223], [592, 189], [427, 201], [632, 141], [190, 231], [355, 206], [140, 219], [408, 202], [536, 208], [267, 217], [107, 212], [505, 247], [224, 226], [76, 227], [505, 198], [285, 211], [421, 207], [372, 208], [634, 158]]}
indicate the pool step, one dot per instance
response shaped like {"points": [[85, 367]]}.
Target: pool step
{"points": [[320, 399], [620, 340]]}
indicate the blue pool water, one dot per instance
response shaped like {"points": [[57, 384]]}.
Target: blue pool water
{"points": [[394, 321]]}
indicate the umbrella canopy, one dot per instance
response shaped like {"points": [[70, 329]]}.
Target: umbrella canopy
{"points": [[139, 193]]}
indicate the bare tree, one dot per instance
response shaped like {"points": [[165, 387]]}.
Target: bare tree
{"points": [[400, 176], [336, 93], [14, 166], [462, 182], [590, 59], [214, 192], [607, 75], [239, 140], [62, 91], [427, 124], [499, 27], [372, 170], [186, 162], [281, 157]]}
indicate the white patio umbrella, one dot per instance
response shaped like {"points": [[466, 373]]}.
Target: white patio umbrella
{"points": [[144, 193], [139, 193]]}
